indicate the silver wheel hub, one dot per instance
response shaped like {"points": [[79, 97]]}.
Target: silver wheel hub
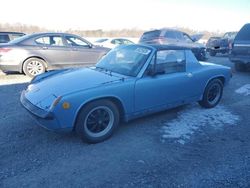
{"points": [[35, 67]]}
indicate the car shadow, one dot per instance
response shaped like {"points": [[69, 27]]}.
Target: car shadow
{"points": [[9, 73], [156, 119]]}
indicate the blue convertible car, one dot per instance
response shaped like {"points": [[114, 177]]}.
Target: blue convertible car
{"points": [[129, 82]]}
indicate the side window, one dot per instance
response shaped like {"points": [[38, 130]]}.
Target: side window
{"points": [[179, 35], [170, 61], [116, 42], [127, 41], [50, 40], [4, 38], [75, 41], [170, 34], [43, 40]]}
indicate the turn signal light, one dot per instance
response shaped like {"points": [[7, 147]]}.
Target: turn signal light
{"points": [[56, 101]]}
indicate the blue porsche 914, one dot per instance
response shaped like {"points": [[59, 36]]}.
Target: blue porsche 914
{"points": [[128, 82]]}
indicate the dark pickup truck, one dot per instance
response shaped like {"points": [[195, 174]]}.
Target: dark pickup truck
{"points": [[220, 44]]}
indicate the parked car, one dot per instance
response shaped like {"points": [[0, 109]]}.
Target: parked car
{"points": [[175, 37], [129, 82], [220, 44], [36, 53], [6, 37], [240, 54], [112, 42]]}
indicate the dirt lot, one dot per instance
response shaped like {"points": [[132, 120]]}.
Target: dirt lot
{"points": [[184, 147]]}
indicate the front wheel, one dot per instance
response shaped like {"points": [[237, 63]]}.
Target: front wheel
{"points": [[212, 94], [97, 121], [33, 67]]}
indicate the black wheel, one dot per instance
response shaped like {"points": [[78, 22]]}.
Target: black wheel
{"points": [[240, 67], [33, 67], [212, 94], [97, 121], [212, 53]]}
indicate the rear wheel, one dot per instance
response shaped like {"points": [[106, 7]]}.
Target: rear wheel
{"points": [[33, 67], [212, 94], [97, 121]]}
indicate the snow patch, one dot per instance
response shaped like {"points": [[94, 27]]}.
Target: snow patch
{"points": [[244, 90], [193, 119]]}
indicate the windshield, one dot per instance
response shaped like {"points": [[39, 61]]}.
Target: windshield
{"points": [[126, 60], [230, 35]]}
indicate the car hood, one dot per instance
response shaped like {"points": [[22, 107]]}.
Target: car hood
{"points": [[45, 88]]}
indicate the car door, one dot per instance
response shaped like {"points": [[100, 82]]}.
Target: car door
{"points": [[82, 52], [53, 49], [170, 86]]}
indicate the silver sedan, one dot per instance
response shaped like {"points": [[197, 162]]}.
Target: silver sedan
{"points": [[36, 53]]}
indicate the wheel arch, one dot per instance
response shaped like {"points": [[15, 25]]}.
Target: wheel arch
{"points": [[38, 57], [113, 99], [219, 77]]}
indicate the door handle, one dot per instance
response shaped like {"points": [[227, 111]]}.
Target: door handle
{"points": [[189, 75], [74, 49], [44, 47]]}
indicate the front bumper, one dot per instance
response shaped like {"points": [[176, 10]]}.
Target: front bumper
{"points": [[218, 49], [34, 109], [44, 118]]}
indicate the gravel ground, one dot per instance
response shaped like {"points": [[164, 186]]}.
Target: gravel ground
{"points": [[183, 147]]}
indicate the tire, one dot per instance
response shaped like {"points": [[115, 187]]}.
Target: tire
{"points": [[240, 67], [212, 94], [97, 121], [212, 53], [33, 67]]}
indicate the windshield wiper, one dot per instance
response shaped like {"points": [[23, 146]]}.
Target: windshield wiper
{"points": [[105, 70]]}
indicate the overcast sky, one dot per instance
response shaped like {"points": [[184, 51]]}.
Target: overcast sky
{"points": [[211, 15]]}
